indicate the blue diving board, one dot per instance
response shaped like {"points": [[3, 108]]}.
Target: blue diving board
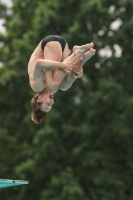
{"points": [[9, 183]]}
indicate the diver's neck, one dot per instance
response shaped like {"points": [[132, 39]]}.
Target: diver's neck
{"points": [[45, 90]]}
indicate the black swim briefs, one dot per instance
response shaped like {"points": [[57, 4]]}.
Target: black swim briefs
{"points": [[53, 38]]}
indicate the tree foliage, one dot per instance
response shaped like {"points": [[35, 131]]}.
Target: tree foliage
{"points": [[84, 148]]}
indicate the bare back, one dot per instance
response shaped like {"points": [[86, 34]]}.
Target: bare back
{"points": [[37, 54]]}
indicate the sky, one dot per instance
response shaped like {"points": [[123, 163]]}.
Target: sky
{"points": [[7, 2]]}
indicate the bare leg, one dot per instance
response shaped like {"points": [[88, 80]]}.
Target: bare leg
{"points": [[78, 51], [77, 70], [81, 61], [52, 51]]}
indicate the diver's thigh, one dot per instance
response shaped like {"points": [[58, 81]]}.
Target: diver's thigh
{"points": [[53, 51], [65, 53]]}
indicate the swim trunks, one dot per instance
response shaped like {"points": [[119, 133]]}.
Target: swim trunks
{"points": [[50, 38]]}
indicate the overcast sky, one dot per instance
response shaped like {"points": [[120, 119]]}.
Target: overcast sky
{"points": [[7, 2]]}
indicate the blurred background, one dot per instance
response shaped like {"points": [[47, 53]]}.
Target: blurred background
{"points": [[84, 148]]}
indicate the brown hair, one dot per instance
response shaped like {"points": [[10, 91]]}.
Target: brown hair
{"points": [[37, 114]]}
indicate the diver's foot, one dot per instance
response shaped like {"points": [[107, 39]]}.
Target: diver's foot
{"points": [[89, 54], [81, 50], [86, 57]]}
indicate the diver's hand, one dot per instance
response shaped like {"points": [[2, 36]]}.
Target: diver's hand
{"points": [[67, 66], [77, 72]]}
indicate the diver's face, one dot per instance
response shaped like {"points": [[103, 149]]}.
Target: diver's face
{"points": [[48, 101]]}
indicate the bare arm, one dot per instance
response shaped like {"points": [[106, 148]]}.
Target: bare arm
{"points": [[49, 64]]}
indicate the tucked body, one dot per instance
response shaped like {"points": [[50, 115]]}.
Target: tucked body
{"points": [[51, 68]]}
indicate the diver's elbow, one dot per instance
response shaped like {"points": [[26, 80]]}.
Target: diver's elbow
{"points": [[63, 88]]}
